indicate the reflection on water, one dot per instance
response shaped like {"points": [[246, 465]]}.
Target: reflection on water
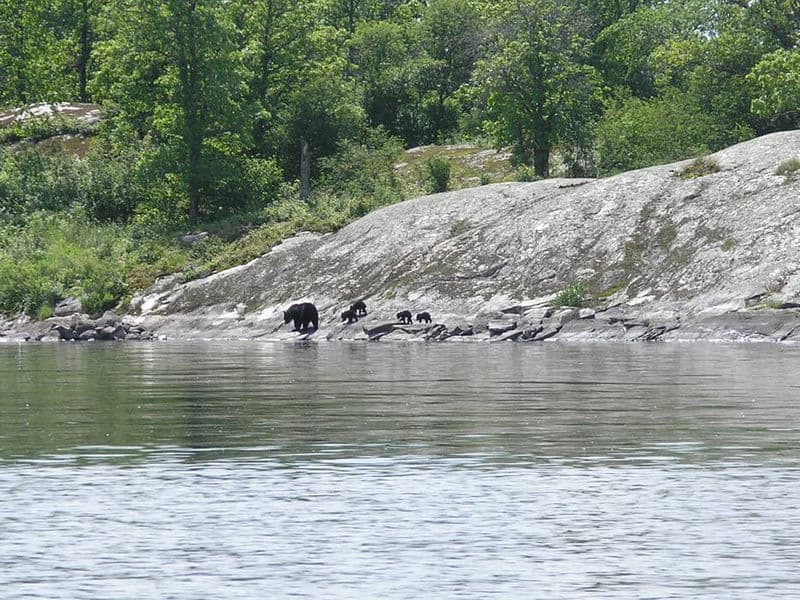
{"points": [[244, 470]]}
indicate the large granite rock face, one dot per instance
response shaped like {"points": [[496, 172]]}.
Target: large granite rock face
{"points": [[665, 257]]}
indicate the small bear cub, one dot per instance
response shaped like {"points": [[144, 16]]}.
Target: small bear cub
{"points": [[424, 316], [350, 316], [360, 308], [404, 316]]}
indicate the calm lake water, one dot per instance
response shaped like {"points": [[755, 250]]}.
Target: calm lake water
{"points": [[394, 471]]}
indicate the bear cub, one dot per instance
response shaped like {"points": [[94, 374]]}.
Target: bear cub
{"points": [[350, 316], [424, 316], [404, 316], [360, 308], [303, 315]]}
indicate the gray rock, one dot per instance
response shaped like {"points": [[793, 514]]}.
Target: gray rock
{"points": [[509, 335], [375, 333], [109, 318], [80, 323], [193, 238], [538, 314], [64, 332], [67, 307], [529, 333], [565, 315], [545, 333], [586, 313], [499, 327]]}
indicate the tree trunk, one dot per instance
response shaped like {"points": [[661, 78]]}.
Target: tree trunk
{"points": [[84, 52], [305, 170], [541, 161], [191, 104]]}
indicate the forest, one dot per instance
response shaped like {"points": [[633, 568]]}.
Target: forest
{"points": [[251, 120]]}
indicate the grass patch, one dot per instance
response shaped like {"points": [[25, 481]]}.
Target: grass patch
{"points": [[458, 227], [470, 166], [611, 290], [699, 167], [788, 168]]}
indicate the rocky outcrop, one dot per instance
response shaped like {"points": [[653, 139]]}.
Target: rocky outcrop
{"points": [[672, 252], [83, 112], [664, 253]]}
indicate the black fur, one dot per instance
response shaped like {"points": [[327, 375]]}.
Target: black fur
{"points": [[303, 315], [350, 316], [360, 308], [424, 316], [404, 316]]}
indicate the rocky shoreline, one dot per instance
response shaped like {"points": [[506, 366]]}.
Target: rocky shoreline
{"points": [[522, 324], [77, 327]]}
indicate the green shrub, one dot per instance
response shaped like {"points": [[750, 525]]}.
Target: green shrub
{"points": [[45, 311], [438, 173], [526, 173], [59, 255], [41, 128], [640, 133], [572, 295]]}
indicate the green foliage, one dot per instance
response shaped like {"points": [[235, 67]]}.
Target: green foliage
{"points": [[439, 173], [640, 133], [699, 167], [525, 173], [55, 256], [359, 178], [34, 52], [31, 180], [37, 129], [536, 87], [572, 295], [775, 85], [183, 88]]}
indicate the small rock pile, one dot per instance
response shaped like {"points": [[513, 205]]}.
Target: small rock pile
{"points": [[80, 327]]}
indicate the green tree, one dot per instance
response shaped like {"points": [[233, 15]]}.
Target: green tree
{"points": [[34, 54], [623, 49], [779, 18], [391, 70], [452, 37], [775, 82], [535, 85], [172, 70]]}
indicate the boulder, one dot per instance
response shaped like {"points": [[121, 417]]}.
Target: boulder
{"points": [[67, 306]]}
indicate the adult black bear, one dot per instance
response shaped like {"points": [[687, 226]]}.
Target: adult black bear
{"points": [[303, 315], [350, 316], [360, 308], [404, 316], [424, 316]]}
